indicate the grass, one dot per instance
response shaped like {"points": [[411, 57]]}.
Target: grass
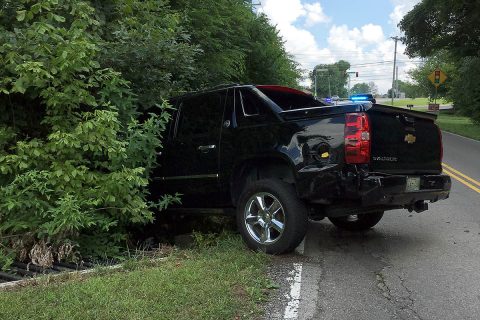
{"points": [[225, 281], [416, 102], [459, 125]]}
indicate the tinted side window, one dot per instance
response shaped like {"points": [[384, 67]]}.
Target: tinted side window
{"points": [[252, 105], [200, 115]]}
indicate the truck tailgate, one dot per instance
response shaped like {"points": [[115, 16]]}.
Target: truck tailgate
{"points": [[404, 142]]}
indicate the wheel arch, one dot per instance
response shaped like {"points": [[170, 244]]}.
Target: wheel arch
{"points": [[253, 169]]}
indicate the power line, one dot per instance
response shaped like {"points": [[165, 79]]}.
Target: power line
{"points": [[314, 59], [376, 77], [370, 80], [370, 63]]}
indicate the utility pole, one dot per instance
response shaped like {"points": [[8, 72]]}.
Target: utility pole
{"points": [[349, 93], [253, 5], [315, 80], [397, 92], [394, 66], [349, 73], [329, 91]]}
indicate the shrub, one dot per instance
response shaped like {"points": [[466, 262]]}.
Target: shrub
{"points": [[74, 160]]}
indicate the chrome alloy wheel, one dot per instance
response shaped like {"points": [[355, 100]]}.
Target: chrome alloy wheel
{"points": [[264, 218]]}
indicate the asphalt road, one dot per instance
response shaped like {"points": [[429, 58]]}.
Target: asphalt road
{"points": [[410, 266]]}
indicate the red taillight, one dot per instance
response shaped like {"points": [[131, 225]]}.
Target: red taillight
{"points": [[357, 138]]}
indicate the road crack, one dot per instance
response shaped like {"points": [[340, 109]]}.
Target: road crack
{"points": [[403, 303], [383, 286], [410, 305]]}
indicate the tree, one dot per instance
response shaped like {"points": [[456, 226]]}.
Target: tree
{"points": [[333, 80], [360, 88], [420, 75], [448, 28], [164, 50], [465, 89], [411, 90], [236, 45], [147, 42], [267, 61], [434, 25], [373, 88]]}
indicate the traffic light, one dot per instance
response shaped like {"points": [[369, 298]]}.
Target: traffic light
{"points": [[356, 74], [437, 76]]}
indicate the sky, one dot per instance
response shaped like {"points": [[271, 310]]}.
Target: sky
{"points": [[358, 31]]}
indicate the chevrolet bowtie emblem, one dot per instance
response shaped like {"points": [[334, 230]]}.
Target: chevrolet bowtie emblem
{"points": [[410, 138]]}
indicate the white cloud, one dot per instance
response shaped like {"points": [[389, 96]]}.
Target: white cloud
{"points": [[341, 37], [372, 33], [315, 14], [291, 10], [367, 48], [401, 8], [298, 41], [285, 14]]}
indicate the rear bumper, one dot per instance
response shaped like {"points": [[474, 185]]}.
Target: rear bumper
{"points": [[371, 190], [391, 190]]}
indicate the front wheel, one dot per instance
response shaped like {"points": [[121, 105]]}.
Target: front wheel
{"points": [[357, 222], [270, 217]]}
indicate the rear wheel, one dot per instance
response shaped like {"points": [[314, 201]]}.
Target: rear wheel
{"points": [[270, 217], [357, 222]]}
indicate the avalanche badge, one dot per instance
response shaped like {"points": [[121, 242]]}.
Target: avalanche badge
{"points": [[410, 138]]}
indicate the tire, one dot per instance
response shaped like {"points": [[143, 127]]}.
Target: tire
{"points": [[357, 222], [284, 216]]}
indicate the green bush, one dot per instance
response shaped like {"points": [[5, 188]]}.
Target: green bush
{"points": [[465, 90], [145, 40], [74, 160], [75, 76]]}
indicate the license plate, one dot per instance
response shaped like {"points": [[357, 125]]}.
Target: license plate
{"points": [[413, 184]]}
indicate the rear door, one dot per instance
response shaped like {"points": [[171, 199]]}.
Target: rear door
{"points": [[404, 142], [190, 161]]}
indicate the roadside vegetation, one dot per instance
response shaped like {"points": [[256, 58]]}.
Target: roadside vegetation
{"points": [[218, 280], [436, 30], [75, 78], [417, 102], [459, 124]]}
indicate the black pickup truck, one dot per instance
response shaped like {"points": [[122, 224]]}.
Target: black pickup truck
{"points": [[276, 156]]}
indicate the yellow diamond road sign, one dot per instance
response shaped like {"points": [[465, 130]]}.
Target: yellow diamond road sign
{"points": [[437, 77]]}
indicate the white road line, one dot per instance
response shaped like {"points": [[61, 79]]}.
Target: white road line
{"points": [[291, 310]]}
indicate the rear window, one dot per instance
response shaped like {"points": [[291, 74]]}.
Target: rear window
{"points": [[290, 100]]}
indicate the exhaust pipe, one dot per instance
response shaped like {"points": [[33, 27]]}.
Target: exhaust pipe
{"points": [[418, 206]]}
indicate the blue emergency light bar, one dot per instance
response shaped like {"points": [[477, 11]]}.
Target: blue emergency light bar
{"points": [[358, 98]]}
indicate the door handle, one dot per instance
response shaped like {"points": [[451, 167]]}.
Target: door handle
{"points": [[207, 147]]}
